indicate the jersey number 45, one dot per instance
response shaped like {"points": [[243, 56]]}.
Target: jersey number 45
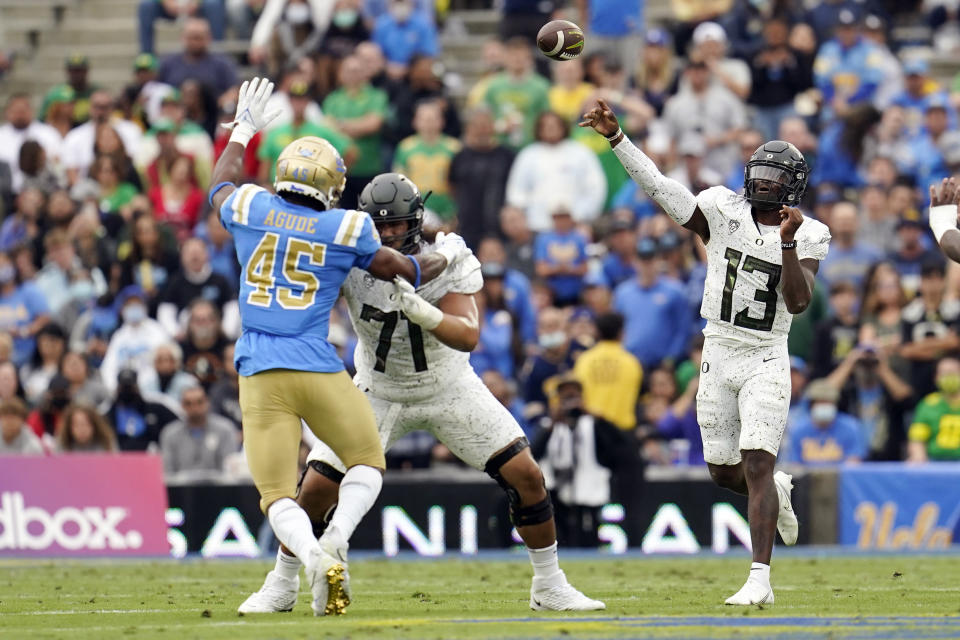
{"points": [[259, 272]]}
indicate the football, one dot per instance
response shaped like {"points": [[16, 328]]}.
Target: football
{"points": [[560, 40]]}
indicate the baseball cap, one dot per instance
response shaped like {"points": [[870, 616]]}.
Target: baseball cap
{"points": [[657, 37], [145, 61], [620, 224], [567, 379], [669, 241], [873, 23], [822, 391], [61, 93], [128, 292], [707, 31], [910, 218], [164, 125], [77, 61], [828, 194], [171, 96], [916, 67], [847, 18], [646, 247], [299, 89]]}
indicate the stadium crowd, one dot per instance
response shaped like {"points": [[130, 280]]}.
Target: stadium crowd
{"points": [[118, 284]]}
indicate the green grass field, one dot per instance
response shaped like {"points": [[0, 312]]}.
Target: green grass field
{"points": [[817, 597]]}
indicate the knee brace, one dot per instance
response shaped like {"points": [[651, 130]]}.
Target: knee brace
{"points": [[331, 473], [520, 516]]}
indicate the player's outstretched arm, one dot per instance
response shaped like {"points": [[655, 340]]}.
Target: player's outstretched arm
{"points": [[798, 276], [422, 268], [454, 321], [943, 217], [675, 199], [251, 118]]}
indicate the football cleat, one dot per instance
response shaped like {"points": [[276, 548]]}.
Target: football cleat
{"points": [[787, 523], [753, 592], [329, 583], [335, 546], [277, 594], [556, 594]]}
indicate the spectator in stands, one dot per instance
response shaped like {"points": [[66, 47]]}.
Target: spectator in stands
{"points": [[166, 378], [836, 336], [478, 178], [825, 436], [178, 201], [77, 67], [779, 72], [556, 171], [519, 241], [919, 93], [691, 171], [58, 108], [346, 31], [19, 127], [423, 83], [199, 106], [933, 434], [930, 325], [848, 258], [879, 228], [911, 254], [492, 58], [516, 287], [678, 425], [204, 342], [288, 31], [499, 339], [360, 111], [618, 264], [45, 364], [881, 308], [403, 33], [149, 11], [23, 311], [613, 27], [188, 138], [137, 420], [195, 280], [710, 45], [115, 195], [656, 75], [85, 386], [750, 140], [425, 158], [933, 142], [708, 109], [78, 145], [523, 18], [242, 16], [873, 393], [10, 386], [132, 345], [225, 392], [37, 173], [847, 68], [214, 72], [219, 244], [579, 453], [279, 137], [202, 441], [657, 319], [147, 260], [22, 228], [85, 431], [561, 255], [144, 95], [569, 92], [46, 418], [610, 375], [16, 438], [505, 391], [517, 95], [552, 357]]}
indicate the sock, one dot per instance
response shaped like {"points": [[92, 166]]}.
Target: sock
{"points": [[292, 526], [760, 572], [546, 561], [358, 491], [287, 566]]}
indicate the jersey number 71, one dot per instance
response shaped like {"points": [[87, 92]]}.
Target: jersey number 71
{"points": [[259, 272]]}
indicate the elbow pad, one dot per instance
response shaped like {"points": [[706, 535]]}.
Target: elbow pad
{"points": [[675, 199]]}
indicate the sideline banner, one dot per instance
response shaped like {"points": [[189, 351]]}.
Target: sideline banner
{"points": [[82, 505], [898, 506]]}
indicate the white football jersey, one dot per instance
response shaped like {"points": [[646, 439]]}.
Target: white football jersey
{"points": [[395, 358], [742, 296]]}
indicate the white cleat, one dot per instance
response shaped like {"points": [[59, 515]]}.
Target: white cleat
{"points": [[752, 593], [787, 523], [277, 594], [556, 594], [328, 583]]}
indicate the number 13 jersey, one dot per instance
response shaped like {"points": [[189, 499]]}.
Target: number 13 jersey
{"points": [[742, 296], [397, 359]]}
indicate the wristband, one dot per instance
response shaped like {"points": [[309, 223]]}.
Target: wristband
{"points": [[788, 245], [242, 133], [615, 136], [216, 188], [416, 267], [942, 219]]}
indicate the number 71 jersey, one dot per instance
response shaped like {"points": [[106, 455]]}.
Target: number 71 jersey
{"points": [[743, 292], [395, 358]]}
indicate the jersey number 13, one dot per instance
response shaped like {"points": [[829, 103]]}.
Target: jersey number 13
{"points": [[767, 296]]}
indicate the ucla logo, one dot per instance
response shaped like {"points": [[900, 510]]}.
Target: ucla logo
{"points": [[341, 167], [306, 153]]}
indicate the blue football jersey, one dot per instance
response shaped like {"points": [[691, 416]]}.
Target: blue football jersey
{"points": [[293, 261]]}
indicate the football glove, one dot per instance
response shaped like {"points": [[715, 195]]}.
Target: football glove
{"points": [[451, 246], [417, 310], [251, 107]]}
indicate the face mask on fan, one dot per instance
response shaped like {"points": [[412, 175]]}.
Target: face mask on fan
{"points": [[949, 384]]}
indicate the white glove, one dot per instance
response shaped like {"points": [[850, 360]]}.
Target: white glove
{"points": [[451, 246], [251, 104], [417, 310]]}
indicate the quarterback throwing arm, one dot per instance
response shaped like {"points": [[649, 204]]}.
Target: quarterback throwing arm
{"points": [[944, 199]]}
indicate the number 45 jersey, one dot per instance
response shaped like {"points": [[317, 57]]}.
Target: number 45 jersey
{"points": [[396, 359], [742, 296]]}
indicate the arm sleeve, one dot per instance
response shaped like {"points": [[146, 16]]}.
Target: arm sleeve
{"points": [[676, 200]]}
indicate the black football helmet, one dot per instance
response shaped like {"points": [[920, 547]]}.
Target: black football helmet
{"points": [[776, 175], [392, 197]]}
